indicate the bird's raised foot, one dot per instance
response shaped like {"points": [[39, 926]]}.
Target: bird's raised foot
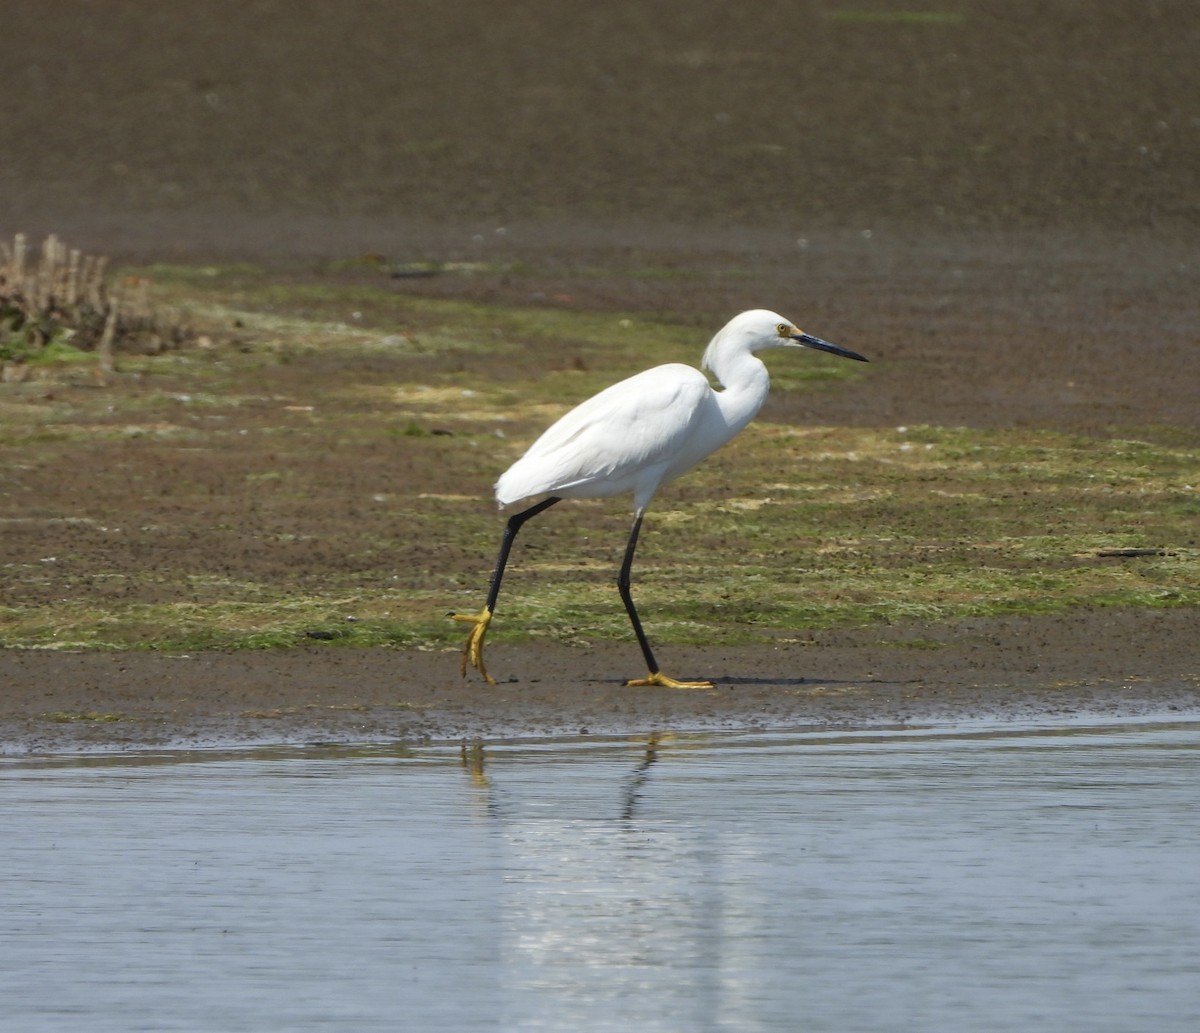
{"points": [[473, 650], [660, 679]]}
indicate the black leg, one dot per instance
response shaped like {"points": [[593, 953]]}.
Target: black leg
{"points": [[627, 597], [655, 677], [510, 535], [473, 651]]}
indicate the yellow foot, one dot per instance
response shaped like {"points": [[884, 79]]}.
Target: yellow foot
{"points": [[658, 678], [473, 650]]}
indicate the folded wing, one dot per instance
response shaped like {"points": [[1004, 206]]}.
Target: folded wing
{"points": [[619, 440]]}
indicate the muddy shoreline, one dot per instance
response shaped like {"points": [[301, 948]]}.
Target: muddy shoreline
{"points": [[1102, 662], [999, 208]]}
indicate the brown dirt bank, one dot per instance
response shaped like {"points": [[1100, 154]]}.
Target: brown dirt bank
{"points": [[998, 206], [1102, 662], [767, 113]]}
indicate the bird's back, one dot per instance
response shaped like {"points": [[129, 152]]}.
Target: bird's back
{"points": [[630, 437]]}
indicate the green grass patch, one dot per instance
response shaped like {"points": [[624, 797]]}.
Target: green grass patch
{"points": [[320, 477]]}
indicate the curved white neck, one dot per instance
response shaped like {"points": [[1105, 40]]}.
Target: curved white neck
{"points": [[746, 384]]}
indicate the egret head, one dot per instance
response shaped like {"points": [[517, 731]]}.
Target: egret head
{"points": [[790, 336], [759, 328]]}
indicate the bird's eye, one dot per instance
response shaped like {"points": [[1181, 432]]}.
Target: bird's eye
{"points": [[783, 330]]}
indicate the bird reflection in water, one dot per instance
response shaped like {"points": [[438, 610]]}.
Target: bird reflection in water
{"points": [[473, 759]]}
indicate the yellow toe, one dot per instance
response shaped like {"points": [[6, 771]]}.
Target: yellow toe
{"points": [[473, 650], [660, 679]]}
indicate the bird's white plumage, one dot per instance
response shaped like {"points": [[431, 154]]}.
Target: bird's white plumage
{"points": [[647, 430], [617, 439]]}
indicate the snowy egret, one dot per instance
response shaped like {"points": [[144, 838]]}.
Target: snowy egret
{"points": [[636, 436]]}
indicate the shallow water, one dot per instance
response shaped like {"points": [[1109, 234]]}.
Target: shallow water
{"points": [[981, 877]]}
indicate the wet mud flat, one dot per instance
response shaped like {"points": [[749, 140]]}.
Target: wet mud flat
{"points": [[1100, 662]]}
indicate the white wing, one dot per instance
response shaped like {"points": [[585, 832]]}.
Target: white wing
{"points": [[628, 437]]}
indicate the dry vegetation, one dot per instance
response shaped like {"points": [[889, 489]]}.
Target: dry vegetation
{"points": [[60, 303]]}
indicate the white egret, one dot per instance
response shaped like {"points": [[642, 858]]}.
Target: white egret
{"points": [[636, 436]]}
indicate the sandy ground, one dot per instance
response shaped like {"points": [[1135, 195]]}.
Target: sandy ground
{"points": [[1002, 209]]}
